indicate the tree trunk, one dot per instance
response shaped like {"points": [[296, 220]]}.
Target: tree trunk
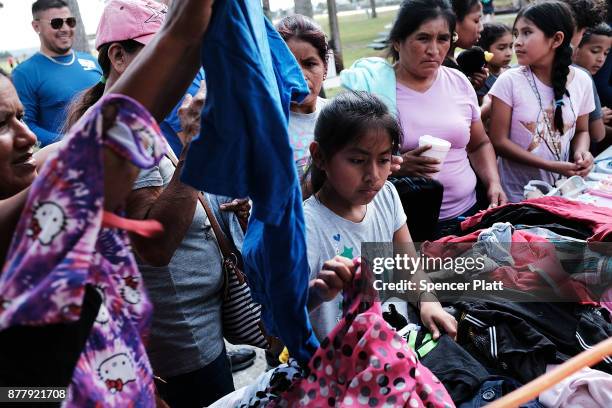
{"points": [[266, 9], [373, 5], [303, 7], [80, 38], [335, 33]]}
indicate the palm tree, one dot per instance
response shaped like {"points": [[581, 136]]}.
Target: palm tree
{"points": [[303, 7], [80, 38]]}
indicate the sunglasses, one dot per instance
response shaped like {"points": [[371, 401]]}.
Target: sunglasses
{"points": [[57, 23]]}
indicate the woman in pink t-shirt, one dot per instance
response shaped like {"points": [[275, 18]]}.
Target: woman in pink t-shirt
{"points": [[539, 111], [434, 100]]}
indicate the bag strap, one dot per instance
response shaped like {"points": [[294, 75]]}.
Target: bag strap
{"points": [[227, 250]]}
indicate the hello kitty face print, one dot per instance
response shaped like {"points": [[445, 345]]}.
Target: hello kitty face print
{"points": [[48, 221], [117, 371], [130, 290]]}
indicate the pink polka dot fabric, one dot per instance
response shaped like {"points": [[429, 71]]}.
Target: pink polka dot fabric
{"points": [[365, 363]]}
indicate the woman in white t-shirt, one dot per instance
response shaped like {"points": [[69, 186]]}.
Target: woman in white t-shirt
{"points": [[539, 112]]}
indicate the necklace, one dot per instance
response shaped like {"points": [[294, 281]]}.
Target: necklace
{"points": [[554, 136], [53, 60]]}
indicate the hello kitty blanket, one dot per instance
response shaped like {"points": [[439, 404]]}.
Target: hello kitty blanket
{"points": [[61, 245]]}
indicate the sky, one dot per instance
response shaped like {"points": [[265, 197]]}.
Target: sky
{"points": [[16, 31]]}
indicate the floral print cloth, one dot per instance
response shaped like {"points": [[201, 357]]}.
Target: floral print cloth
{"points": [[60, 246]]}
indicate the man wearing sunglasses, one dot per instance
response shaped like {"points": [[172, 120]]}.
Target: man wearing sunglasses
{"points": [[47, 82]]}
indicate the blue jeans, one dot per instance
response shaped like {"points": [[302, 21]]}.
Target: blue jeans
{"points": [[198, 388]]}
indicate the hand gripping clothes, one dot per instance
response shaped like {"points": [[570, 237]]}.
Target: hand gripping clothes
{"points": [[243, 150], [363, 362], [62, 250]]}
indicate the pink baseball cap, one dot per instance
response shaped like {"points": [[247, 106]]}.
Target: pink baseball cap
{"points": [[137, 20]]}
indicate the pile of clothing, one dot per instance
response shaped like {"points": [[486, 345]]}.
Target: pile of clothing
{"points": [[500, 344], [553, 257]]}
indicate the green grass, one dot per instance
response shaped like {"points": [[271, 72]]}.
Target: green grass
{"points": [[502, 3], [506, 18], [356, 32]]}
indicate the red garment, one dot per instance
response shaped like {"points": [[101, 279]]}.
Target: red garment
{"points": [[598, 219], [450, 246], [531, 253]]}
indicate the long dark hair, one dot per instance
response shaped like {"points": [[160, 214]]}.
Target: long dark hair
{"points": [[304, 29], [463, 7], [90, 96], [550, 17], [344, 120], [412, 14], [600, 29], [492, 32]]}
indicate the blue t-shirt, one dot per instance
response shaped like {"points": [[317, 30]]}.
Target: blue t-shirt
{"points": [[243, 150], [46, 89], [171, 126]]}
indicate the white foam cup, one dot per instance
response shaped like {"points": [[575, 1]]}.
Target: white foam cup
{"points": [[439, 148]]}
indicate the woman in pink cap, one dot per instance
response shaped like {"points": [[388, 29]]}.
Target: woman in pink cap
{"points": [[125, 27]]}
